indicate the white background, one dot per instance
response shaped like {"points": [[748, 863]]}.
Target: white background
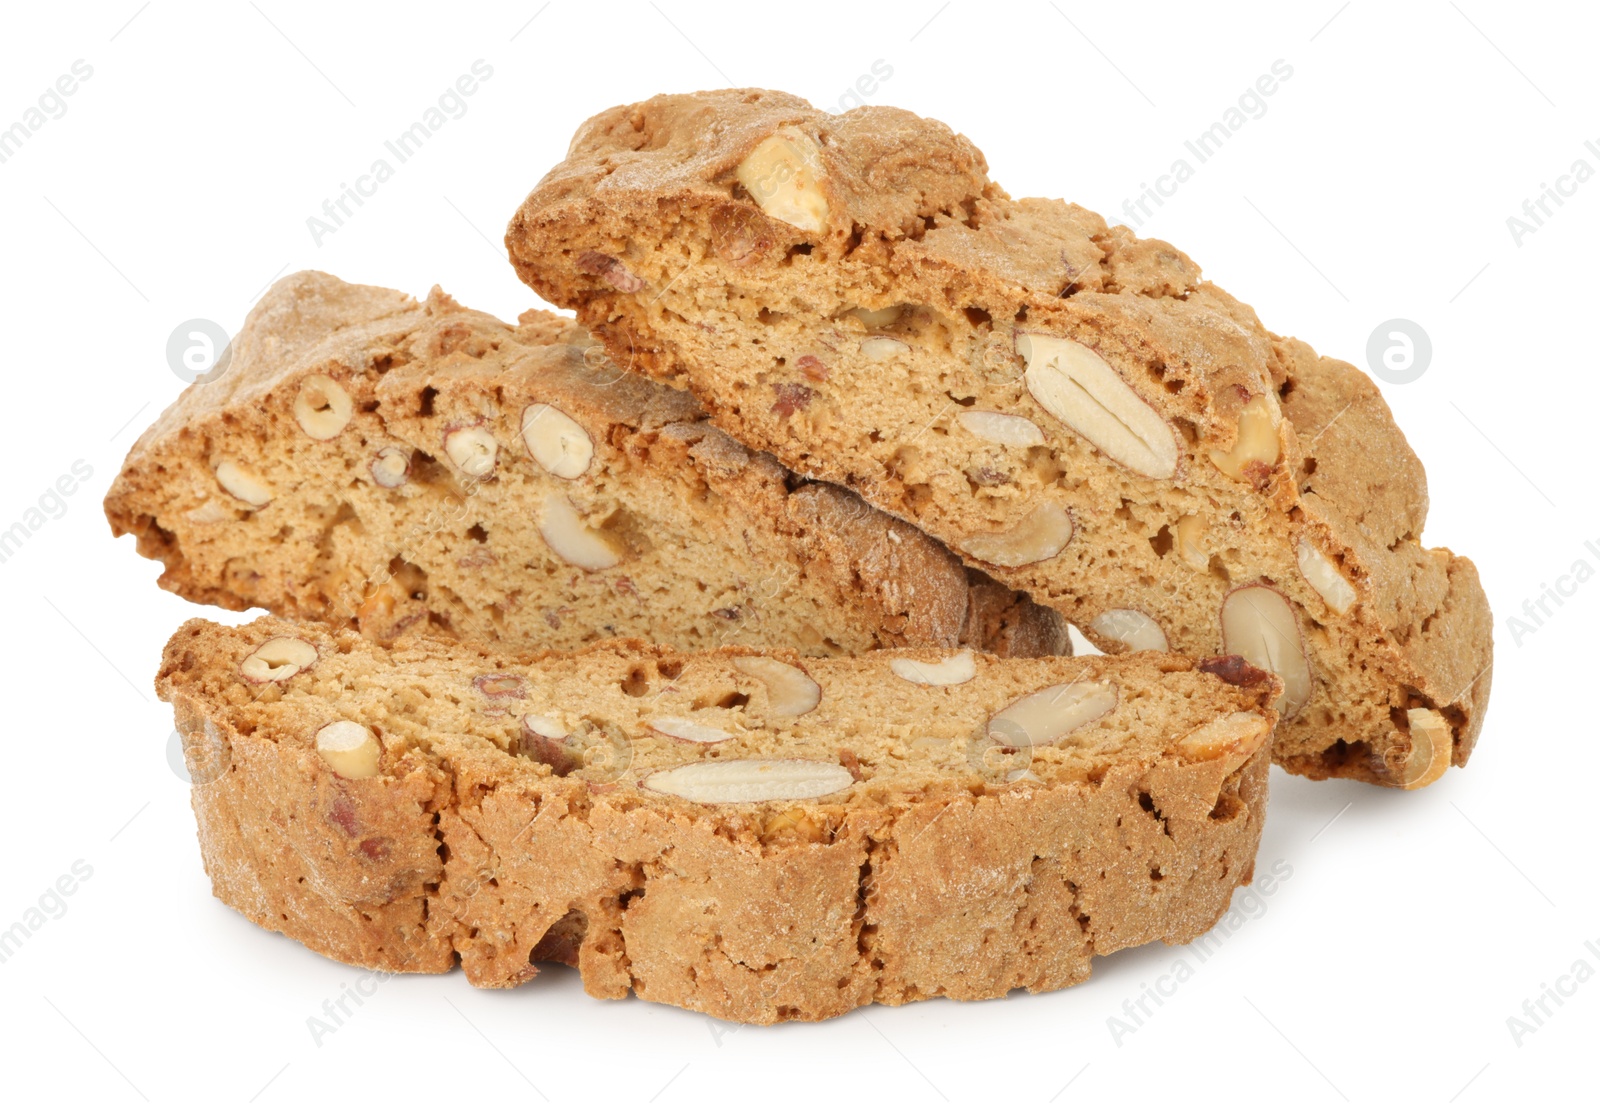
{"points": [[1377, 185]]}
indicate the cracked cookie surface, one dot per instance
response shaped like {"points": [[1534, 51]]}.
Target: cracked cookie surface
{"points": [[372, 461], [853, 294], [947, 859]]}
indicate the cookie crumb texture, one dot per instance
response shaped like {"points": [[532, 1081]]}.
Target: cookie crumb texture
{"points": [[1070, 407], [856, 834], [369, 461]]}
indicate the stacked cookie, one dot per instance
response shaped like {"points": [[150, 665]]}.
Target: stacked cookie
{"points": [[717, 647]]}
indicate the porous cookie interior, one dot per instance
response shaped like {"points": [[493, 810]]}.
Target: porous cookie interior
{"points": [[370, 461], [878, 343], [603, 716]]}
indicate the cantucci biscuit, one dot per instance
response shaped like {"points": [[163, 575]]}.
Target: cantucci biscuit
{"points": [[371, 461], [757, 835], [1071, 408]]}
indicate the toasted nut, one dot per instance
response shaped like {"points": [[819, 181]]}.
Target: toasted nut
{"points": [[714, 781], [1237, 736], [1234, 670], [1039, 536], [1259, 624], [686, 729], [1188, 537], [812, 368], [242, 485], [278, 659], [350, 749], [1077, 386], [472, 448], [1256, 452], [322, 407], [1325, 579], [790, 691], [791, 398], [544, 740], [391, 467], [1046, 716], [572, 539], [556, 441], [501, 685], [546, 727], [609, 269], [1002, 429], [1134, 628], [794, 824], [882, 349], [1431, 748], [960, 668], [878, 319], [782, 175], [208, 513]]}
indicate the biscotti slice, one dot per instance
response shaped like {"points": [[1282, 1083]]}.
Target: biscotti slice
{"points": [[372, 461], [755, 835], [1067, 405]]}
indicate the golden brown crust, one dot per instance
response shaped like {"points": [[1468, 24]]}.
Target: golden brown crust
{"points": [[921, 881], [717, 542], [707, 292]]}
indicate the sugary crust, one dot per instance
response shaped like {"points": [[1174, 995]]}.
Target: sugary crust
{"points": [[1362, 486], [914, 219], [871, 579], [458, 850]]}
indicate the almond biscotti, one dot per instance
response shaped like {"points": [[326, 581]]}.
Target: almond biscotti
{"points": [[1068, 406], [755, 835], [371, 461]]}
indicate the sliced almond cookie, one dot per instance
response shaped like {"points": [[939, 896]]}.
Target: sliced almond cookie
{"points": [[1071, 408], [757, 835], [368, 460]]}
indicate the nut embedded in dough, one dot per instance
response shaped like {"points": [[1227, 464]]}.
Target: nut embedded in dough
{"points": [[949, 672], [782, 174], [278, 659], [350, 749], [1432, 747], [1134, 628], [1044, 717], [243, 484], [1324, 577], [1041, 535], [790, 691], [1075, 384], [1257, 449], [711, 782], [687, 729], [556, 441], [1001, 429], [1260, 625], [473, 450], [391, 467], [322, 407], [573, 539]]}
